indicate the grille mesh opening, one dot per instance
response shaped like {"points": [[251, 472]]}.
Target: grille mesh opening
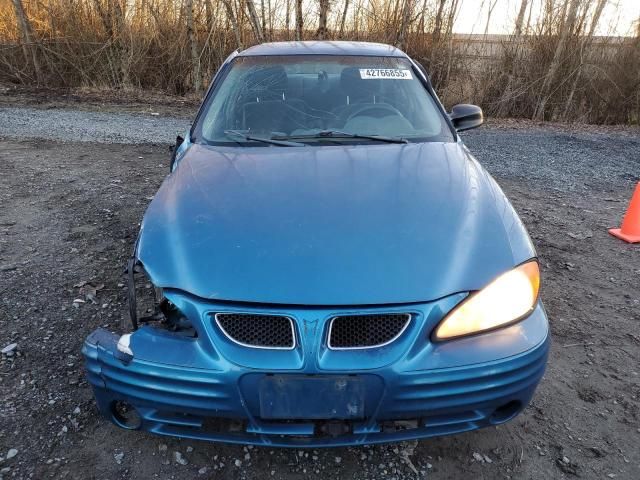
{"points": [[255, 330], [362, 331]]}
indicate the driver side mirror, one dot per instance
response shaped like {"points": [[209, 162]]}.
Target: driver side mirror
{"points": [[465, 117], [174, 152]]}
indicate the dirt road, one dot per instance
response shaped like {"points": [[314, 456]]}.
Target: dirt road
{"points": [[70, 212]]}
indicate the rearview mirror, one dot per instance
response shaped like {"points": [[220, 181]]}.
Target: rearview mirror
{"points": [[465, 117]]}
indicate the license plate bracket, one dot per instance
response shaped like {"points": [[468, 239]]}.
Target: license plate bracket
{"points": [[311, 397]]}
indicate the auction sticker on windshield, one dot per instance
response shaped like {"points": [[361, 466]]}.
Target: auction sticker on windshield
{"points": [[385, 73]]}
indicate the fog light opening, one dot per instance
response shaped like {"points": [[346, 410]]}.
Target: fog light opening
{"points": [[506, 412], [125, 415]]}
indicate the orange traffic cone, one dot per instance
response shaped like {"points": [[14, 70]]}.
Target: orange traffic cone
{"points": [[630, 230]]}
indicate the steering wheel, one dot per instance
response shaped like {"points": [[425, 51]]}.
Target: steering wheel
{"points": [[385, 108]]}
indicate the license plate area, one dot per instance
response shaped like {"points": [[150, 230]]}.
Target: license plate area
{"points": [[311, 397]]}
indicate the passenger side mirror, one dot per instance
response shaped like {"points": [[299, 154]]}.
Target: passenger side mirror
{"points": [[465, 117]]}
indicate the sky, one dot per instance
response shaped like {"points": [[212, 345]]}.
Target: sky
{"points": [[622, 13]]}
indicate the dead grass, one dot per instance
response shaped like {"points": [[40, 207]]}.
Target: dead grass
{"points": [[554, 70]]}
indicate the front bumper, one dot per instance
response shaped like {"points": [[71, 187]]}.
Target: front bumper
{"points": [[207, 389]]}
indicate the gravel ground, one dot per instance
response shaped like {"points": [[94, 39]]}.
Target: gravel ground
{"points": [[70, 213], [559, 158], [86, 126]]}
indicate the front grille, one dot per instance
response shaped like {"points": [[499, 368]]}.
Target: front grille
{"points": [[366, 331], [257, 331]]}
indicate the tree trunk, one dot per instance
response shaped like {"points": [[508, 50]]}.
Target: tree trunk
{"points": [[28, 46], [404, 24], [520, 18], [565, 33], [322, 20], [234, 21], [437, 29], [287, 19], [512, 57], [195, 58], [263, 19], [344, 17], [270, 20], [453, 11], [356, 19], [122, 50], [491, 7], [255, 23], [299, 20], [208, 13], [435, 40], [584, 44], [422, 14]]}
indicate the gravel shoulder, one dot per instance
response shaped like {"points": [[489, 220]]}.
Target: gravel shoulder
{"points": [[74, 185], [66, 125]]}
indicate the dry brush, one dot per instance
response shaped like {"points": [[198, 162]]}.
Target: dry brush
{"points": [[554, 68]]}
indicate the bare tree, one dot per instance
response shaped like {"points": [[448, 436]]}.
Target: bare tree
{"points": [[234, 21], [511, 57], [344, 17], [565, 33], [195, 58], [489, 13], [435, 36], [112, 16], [270, 21], [437, 29], [287, 18], [404, 24], [453, 12], [28, 46], [299, 21], [263, 19], [523, 9], [423, 12], [208, 13], [253, 20], [323, 33], [584, 44], [357, 18]]}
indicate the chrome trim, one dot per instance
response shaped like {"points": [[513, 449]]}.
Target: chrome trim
{"points": [[261, 347], [406, 324]]}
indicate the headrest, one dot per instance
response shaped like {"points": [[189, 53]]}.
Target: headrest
{"points": [[354, 85], [267, 79]]}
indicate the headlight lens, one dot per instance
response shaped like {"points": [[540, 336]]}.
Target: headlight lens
{"points": [[508, 298]]}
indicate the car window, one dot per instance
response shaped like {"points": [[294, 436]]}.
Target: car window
{"points": [[300, 96]]}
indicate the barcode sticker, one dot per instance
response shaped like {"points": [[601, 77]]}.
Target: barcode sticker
{"points": [[385, 74]]}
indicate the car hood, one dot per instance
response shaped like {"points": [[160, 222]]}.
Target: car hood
{"points": [[331, 225]]}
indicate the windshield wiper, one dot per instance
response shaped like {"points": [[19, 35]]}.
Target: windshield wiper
{"points": [[273, 141], [340, 134]]}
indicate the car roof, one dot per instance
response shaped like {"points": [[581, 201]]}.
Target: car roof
{"points": [[338, 48]]}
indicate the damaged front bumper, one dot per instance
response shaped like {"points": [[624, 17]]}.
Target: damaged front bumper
{"points": [[205, 388]]}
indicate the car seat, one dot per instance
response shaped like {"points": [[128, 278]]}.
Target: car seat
{"points": [[265, 107]]}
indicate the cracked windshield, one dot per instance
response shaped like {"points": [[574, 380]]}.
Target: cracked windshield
{"points": [[312, 99]]}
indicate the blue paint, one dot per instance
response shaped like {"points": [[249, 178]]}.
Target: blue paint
{"points": [[340, 48], [335, 225], [310, 233], [448, 387]]}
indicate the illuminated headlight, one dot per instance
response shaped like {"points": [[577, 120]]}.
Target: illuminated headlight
{"points": [[507, 299]]}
